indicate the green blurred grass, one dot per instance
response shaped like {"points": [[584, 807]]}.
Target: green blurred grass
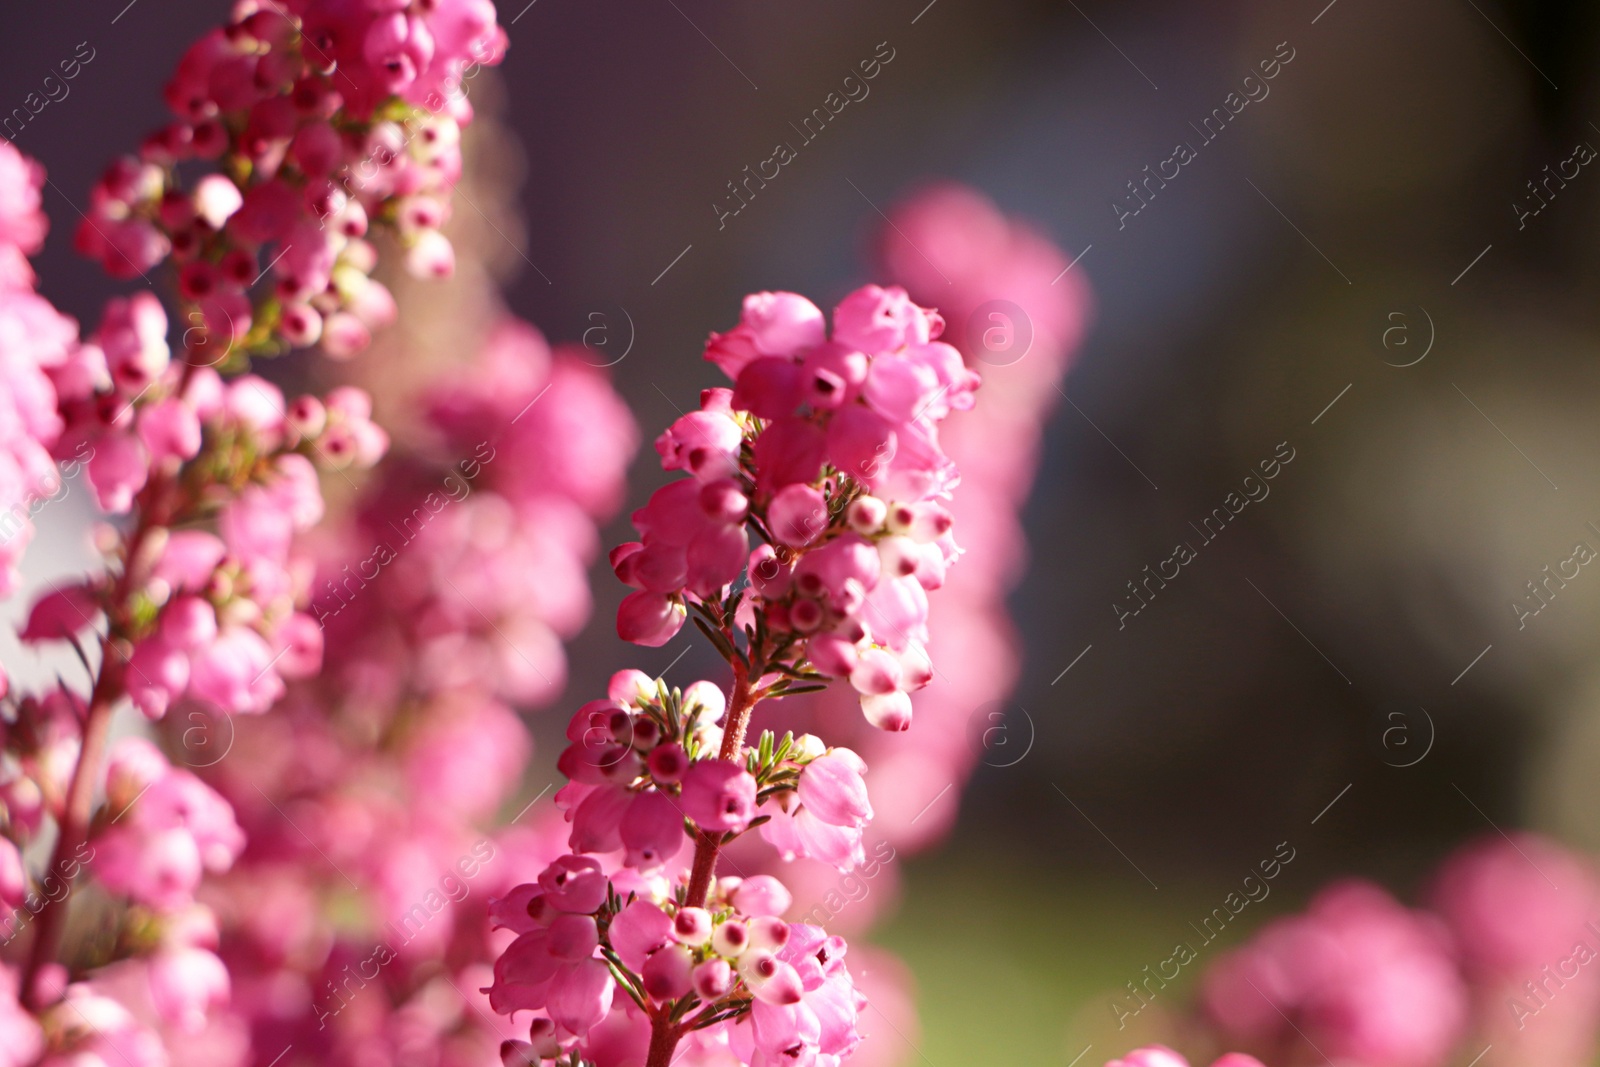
{"points": [[1017, 965]]}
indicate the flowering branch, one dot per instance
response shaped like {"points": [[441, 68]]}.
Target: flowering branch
{"points": [[825, 454], [299, 124]]}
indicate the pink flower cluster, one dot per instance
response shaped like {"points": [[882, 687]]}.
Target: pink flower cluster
{"points": [[354, 925], [641, 763], [828, 450], [211, 483], [315, 119], [217, 615], [1525, 914], [1362, 977], [165, 831], [176, 828], [1500, 957], [35, 339]]}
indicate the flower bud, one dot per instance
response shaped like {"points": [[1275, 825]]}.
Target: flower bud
{"points": [[768, 933], [770, 979], [901, 556], [731, 938], [832, 788], [668, 763], [306, 416], [806, 615], [866, 514], [712, 979], [666, 973], [632, 688], [761, 894], [876, 673], [301, 326], [710, 699], [887, 711], [691, 926], [933, 520]]}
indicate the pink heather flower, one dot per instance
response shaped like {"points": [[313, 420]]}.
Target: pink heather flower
{"points": [[782, 324], [135, 763], [760, 894], [704, 443], [638, 930], [169, 429], [186, 984], [574, 884], [117, 471], [719, 796], [234, 673], [159, 868], [189, 559], [650, 619], [832, 789], [158, 673], [189, 622], [803, 834], [666, 973], [133, 337], [181, 800], [798, 515], [597, 820], [580, 994], [890, 712], [651, 830]]}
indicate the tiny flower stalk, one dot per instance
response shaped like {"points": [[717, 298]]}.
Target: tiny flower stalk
{"points": [[803, 543]]}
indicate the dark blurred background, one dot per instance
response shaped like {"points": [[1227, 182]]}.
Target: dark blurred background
{"points": [[1356, 628]]}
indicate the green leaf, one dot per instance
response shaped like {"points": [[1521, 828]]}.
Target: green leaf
{"points": [[718, 640], [795, 690]]}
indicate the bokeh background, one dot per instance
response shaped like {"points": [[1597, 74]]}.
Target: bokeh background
{"points": [[1363, 238]]}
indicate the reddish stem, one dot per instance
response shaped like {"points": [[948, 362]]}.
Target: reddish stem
{"points": [[663, 1033], [155, 505], [740, 704], [663, 1040], [74, 825]]}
